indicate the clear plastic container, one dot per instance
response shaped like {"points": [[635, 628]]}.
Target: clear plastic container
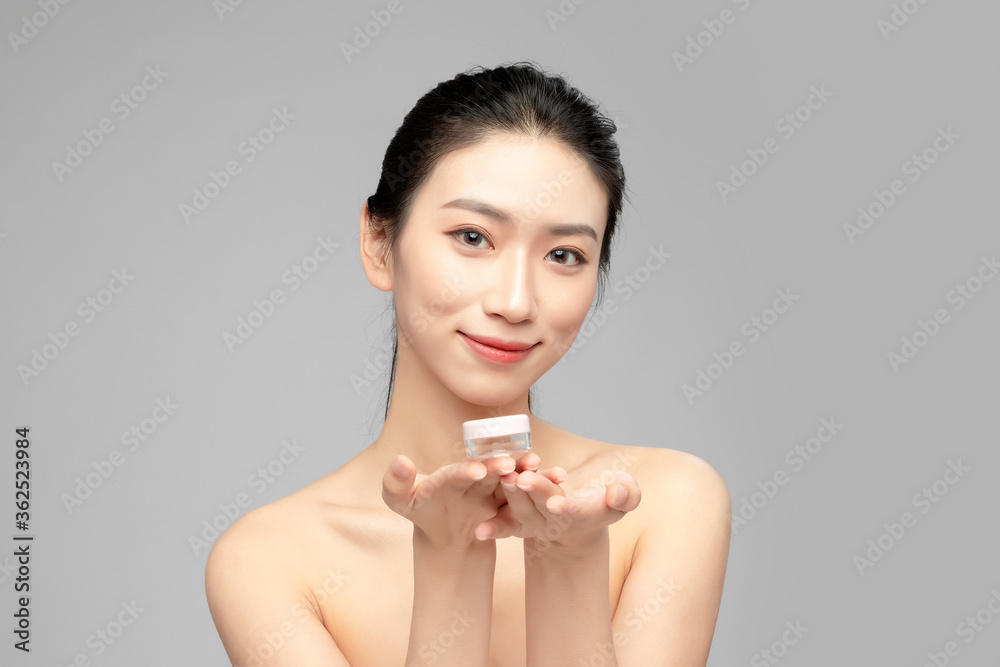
{"points": [[497, 436]]}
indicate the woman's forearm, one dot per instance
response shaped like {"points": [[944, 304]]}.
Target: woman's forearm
{"points": [[568, 615], [452, 604]]}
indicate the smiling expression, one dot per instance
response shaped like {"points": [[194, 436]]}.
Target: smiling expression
{"points": [[496, 267]]}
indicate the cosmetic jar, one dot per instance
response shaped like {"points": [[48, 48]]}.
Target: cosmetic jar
{"points": [[497, 436]]}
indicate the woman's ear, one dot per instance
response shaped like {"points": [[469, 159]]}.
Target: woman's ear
{"points": [[373, 246]]}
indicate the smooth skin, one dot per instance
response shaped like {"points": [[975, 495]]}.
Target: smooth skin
{"points": [[411, 555]]}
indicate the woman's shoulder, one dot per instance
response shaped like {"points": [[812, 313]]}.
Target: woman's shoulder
{"points": [[270, 573], [259, 540], [300, 532], [680, 493], [284, 527], [667, 471]]}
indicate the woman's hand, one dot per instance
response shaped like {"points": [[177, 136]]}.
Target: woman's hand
{"points": [[553, 509], [447, 505]]}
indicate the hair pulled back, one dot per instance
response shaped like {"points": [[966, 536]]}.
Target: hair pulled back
{"points": [[518, 98]]}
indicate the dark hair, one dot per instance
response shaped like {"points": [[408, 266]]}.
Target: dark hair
{"points": [[518, 98]]}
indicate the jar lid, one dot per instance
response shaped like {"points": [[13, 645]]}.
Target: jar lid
{"points": [[495, 426]]}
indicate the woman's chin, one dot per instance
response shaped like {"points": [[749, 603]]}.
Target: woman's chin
{"points": [[491, 397]]}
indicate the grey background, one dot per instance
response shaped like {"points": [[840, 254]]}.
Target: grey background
{"points": [[680, 133]]}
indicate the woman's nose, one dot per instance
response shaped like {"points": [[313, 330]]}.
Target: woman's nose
{"points": [[511, 291]]}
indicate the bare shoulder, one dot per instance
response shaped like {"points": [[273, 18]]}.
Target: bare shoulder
{"points": [[257, 581], [682, 475], [284, 538], [260, 547], [665, 476], [683, 525], [681, 494]]}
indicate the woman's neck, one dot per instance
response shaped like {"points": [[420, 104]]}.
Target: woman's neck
{"points": [[425, 418]]}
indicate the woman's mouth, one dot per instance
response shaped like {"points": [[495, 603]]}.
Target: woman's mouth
{"points": [[498, 350]]}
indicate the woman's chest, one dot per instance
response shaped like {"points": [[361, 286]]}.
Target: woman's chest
{"points": [[368, 610]]}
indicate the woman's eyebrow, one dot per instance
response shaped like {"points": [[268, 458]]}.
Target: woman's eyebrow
{"points": [[495, 214]]}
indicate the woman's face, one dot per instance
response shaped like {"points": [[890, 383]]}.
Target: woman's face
{"points": [[502, 245]]}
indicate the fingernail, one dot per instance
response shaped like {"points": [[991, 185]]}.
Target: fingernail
{"points": [[399, 468], [620, 495]]}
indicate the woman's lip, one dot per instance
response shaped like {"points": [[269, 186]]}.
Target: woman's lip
{"points": [[496, 354], [500, 344]]}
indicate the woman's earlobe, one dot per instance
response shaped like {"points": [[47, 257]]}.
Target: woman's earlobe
{"points": [[373, 252]]}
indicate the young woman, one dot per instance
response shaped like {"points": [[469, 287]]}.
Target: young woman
{"points": [[491, 227]]}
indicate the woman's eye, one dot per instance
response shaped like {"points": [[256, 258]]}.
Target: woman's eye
{"points": [[567, 257], [471, 237], [476, 239]]}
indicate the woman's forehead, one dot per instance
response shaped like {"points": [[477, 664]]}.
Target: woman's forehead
{"points": [[526, 178]]}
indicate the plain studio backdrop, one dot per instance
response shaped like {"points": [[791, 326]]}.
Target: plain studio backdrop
{"points": [[804, 294]]}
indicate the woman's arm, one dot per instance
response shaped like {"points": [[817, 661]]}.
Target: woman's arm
{"points": [[566, 603], [667, 611], [452, 603], [670, 601], [566, 560], [452, 571]]}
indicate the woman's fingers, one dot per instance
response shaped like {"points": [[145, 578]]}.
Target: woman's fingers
{"points": [[528, 461], [526, 495], [526, 500], [398, 484], [495, 468], [404, 491], [622, 493], [537, 501], [556, 474], [537, 489], [507, 521]]}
